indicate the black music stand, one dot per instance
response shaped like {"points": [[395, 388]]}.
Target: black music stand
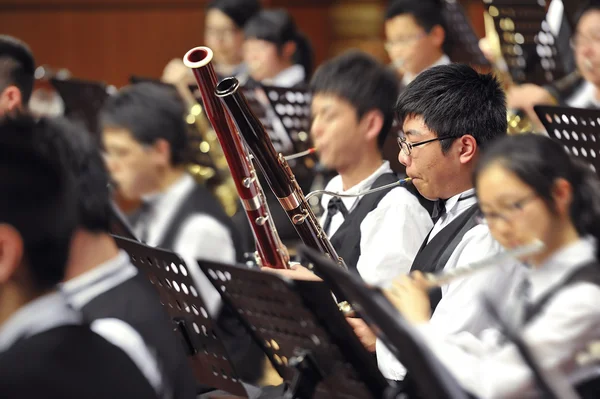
{"points": [[526, 41], [431, 378], [465, 43], [302, 331], [83, 100], [576, 128], [180, 296]]}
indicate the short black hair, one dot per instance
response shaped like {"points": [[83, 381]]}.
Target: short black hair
{"points": [[38, 195], [591, 5], [455, 100], [364, 82], [17, 66], [278, 27], [150, 112], [240, 11], [82, 157], [427, 13]]}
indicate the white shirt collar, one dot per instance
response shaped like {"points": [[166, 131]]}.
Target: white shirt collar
{"points": [[84, 288], [41, 314], [335, 185], [468, 199], [409, 77], [289, 77], [554, 271]]}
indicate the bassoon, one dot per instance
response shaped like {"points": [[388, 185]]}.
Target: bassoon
{"points": [[275, 169], [270, 250]]}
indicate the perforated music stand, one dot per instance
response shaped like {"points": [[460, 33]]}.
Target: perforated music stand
{"points": [[465, 43], [526, 41], [302, 331], [577, 129], [178, 293], [83, 100], [431, 378]]}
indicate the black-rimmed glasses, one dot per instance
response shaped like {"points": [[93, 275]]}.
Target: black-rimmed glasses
{"points": [[406, 146]]}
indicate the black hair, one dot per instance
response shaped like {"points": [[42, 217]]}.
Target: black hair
{"points": [[240, 11], [38, 196], [539, 161], [364, 82], [455, 100], [279, 28], [17, 66], [82, 157], [149, 112], [427, 14], [591, 5]]}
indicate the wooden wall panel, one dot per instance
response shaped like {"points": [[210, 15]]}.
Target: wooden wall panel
{"points": [[109, 40]]}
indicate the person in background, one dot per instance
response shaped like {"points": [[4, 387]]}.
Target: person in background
{"points": [[276, 52], [224, 34], [528, 188], [145, 138], [17, 67], [100, 280], [415, 35], [46, 350], [584, 93]]}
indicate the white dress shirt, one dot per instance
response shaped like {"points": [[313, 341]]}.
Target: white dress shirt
{"points": [[492, 368], [458, 310], [201, 236], [409, 77], [584, 96], [391, 234], [289, 77]]}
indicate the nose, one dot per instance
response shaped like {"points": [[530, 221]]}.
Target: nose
{"points": [[404, 159]]}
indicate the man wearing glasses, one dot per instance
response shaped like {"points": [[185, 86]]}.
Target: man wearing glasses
{"points": [[415, 35], [449, 113]]}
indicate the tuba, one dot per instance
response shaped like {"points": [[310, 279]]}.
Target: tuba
{"points": [[276, 170], [270, 250]]}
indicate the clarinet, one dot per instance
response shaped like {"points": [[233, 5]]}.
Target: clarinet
{"points": [[270, 250], [276, 170]]}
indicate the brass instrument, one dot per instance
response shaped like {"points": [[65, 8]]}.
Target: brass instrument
{"points": [[225, 190]]}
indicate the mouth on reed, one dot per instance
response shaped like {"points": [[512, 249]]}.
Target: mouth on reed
{"points": [[197, 57], [227, 86]]}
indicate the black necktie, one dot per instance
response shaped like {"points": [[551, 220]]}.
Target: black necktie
{"points": [[334, 206], [439, 209]]}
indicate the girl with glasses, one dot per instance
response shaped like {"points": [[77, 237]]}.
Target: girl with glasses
{"points": [[528, 188]]}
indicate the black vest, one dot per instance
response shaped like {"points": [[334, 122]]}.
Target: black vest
{"points": [[200, 200], [346, 239], [589, 273], [433, 256]]}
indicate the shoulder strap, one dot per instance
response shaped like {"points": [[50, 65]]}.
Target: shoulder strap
{"points": [[589, 273]]}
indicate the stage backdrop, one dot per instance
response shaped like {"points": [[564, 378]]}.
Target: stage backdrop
{"points": [[109, 40]]}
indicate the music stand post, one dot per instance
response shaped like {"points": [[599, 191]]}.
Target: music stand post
{"points": [[576, 129], [432, 379], [178, 293], [302, 331], [465, 42], [526, 41]]}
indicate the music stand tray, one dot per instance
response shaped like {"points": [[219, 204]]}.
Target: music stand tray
{"points": [[431, 377], [302, 331], [178, 293], [577, 129]]}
